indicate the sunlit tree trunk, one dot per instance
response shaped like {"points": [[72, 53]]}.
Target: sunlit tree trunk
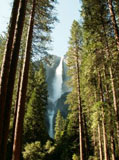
{"points": [[112, 141], [115, 102], [16, 105], [80, 106], [85, 137], [108, 54], [113, 91], [105, 138], [6, 65], [103, 118], [22, 94], [110, 68], [115, 27], [12, 73], [112, 84], [100, 142], [94, 141], [112, 146]]}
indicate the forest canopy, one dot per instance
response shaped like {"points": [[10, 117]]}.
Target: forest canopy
{"points": [[85, 125]]}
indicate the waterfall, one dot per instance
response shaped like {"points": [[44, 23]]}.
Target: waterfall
{"points": [[51, 116], [57, 82], [57, 92]]}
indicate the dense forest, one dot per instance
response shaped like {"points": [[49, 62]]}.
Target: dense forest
{"points": [[90, 129]]}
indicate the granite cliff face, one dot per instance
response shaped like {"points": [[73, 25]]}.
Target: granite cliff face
{"points": [[57, 90]]}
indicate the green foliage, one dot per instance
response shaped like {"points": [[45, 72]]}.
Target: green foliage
{"points": [[94, 44], [93, 158], [97, 113], [2, 47], [33, 151], [49, 148], [73, 59], [76, 35], [34, 126], [75, 157], [97, 45], [44, 23], [73, 122], [59, 126]]}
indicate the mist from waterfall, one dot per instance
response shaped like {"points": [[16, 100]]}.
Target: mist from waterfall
{"points": [[57, 82], [57, 92]]}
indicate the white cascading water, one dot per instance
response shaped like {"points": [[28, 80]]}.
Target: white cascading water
{"points": [[57, 82], [57, 92], [51, 116]]}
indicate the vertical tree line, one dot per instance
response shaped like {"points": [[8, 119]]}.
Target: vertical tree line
{"points": [[91, 129], [6, 64], [98, 78], [22, 90], [92, 60], [13, 49]]}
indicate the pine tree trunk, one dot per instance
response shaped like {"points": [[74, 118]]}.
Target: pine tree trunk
{"points": [[22, 93], [103, 119], [113, 91], [85, 137], [110, 68], [11, 80], [112, 81], [112, 144], [113, 94], [115, 27], [80, 109], [115, 102], [94, 141], [100, 142], [6, 63], [15, 109], [113, 86], [104, 138], [111, 123]]}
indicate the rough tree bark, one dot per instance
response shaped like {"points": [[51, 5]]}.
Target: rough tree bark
{"points": [[100, 142], [16, 105], [108, 54], [12, 73], [23, 88], [115, 102], [94, 141], [85, 137], [80, 107], [115, 27], [103, 118], [6, 63], [112, 146], [104, 138]]}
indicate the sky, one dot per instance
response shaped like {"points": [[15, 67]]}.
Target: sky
{"points": [[67, 11]]}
